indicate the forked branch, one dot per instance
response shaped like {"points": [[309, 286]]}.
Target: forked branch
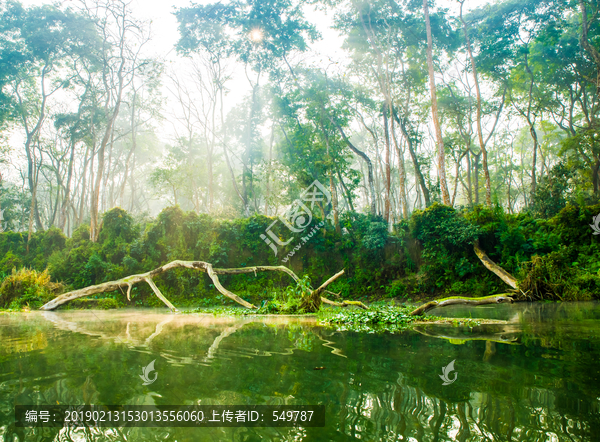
{"points": [[202, 266]]}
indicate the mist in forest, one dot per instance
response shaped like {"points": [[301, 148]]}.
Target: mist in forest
{"points": [[391, 105]]}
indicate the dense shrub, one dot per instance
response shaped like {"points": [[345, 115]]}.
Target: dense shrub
{"points": [[447, 238], [553, 191], [431, 254], [27, 287]]}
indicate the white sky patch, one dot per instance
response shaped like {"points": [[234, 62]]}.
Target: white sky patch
{"points": [[325, 53]]}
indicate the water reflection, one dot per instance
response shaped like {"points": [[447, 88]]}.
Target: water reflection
{"points": [[532, 379]]}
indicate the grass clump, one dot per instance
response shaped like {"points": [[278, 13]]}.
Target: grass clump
{"points": [[288, 301], [558, 277], [221, 311], [108, 303], [27, 288], [87, 303]]}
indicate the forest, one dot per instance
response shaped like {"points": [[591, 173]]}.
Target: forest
{"points": [[384, 213], [436, 133]]}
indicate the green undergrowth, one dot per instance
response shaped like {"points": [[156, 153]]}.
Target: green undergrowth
{"points": [[27, 289], [428, 256], [86, 303], [237, 311]]}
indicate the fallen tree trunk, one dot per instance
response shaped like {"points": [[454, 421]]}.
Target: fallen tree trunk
{"points": [[458, 300], [493, 267], [312, 302], [213, 273], [344, 303]]}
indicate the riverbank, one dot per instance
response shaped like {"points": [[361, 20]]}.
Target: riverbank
{"points": [[426, 257]]}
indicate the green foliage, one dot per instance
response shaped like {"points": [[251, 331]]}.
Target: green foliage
{"points": [[223, 29], [90, 303], [9, 262], [289, 301], [376, 237], [432, 254], [447, 238], [555, 276], [27, 288], [396, 289], [552, 192], [507, 239], [108, 303], [442, 226]]}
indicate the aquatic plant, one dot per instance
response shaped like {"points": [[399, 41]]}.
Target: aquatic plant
{"points": [[381, 318]]}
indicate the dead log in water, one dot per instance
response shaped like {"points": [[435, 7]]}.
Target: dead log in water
{"points": [[455, 300]]}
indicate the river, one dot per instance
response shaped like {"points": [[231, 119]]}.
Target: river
{"points": [[533, 378]]}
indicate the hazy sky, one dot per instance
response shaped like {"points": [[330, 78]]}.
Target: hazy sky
{"points": [[165, 35], [164, 23]]}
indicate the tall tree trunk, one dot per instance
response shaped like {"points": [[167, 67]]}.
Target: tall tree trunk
{"points": [[367, 160], [133, 146], [401, 173], [132, 186], [62, 217], [417, 167], [534, 159], [332, 188], [32, 136], [225, 153], [596, 176], [67, 196], [113, 78], [334, 203], [247, 176], [30, 229], [89, 162], [211, 151], [388, 174], [107, 192], [95, 200], [508, 198], [486, 172], [347, 193], [268, 177], [469, 183], [476, 178], [591, 50], [379, 176], [434, 111]]}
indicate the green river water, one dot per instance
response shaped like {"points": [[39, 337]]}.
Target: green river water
{"points": [[535, 378]]}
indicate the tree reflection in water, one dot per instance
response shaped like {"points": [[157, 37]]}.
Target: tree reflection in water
{"points": [[533, 380]]}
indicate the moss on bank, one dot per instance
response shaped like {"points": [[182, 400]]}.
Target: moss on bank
{"points": [[85, 303]]}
